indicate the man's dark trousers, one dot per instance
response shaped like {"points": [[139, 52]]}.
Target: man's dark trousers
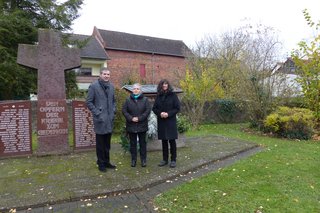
{"points": [[102, 149]]}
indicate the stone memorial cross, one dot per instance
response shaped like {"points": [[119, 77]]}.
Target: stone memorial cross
{"points": [[51, 59]]}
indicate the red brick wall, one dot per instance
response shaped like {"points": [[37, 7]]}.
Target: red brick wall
{"points": [[125, 67]]}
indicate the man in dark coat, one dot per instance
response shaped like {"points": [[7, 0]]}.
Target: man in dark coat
{"points": [[136, 110], [101, 102], [166, 106]]}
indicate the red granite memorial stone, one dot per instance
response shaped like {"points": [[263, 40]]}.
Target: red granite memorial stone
{"points": [[84, 136], [51, 59], [15, 128]]}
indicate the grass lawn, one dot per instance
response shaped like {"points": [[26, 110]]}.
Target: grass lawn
{"points": [[285, 177]]}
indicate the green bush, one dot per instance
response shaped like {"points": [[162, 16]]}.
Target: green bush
{"points": [[291, 102], [183, 124], [294, 123], [119, 121], [124, 140], [226, 110]]}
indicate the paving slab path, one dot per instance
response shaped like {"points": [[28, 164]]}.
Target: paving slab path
{"points": [[137, 187]]}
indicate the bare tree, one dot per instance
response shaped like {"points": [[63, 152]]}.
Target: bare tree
{"points": [[242, 61], [199, 84]]}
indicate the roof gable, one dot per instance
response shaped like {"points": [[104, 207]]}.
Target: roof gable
{"points": [[92, 49], [287, 67], [137, 43]]}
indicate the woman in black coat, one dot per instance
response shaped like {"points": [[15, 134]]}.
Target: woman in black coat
{"points": [[136, 110], [166, 106]]}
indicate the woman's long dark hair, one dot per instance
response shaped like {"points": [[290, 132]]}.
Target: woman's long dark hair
{"points": [[159, 88]]}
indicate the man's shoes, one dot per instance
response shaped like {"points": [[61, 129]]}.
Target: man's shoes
{"points": [[173, 164], [110, 166], [102, 169], [133, 163], [163, 163], [143, 163]]}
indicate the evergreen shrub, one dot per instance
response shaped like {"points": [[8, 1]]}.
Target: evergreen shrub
{"points": [[183, 124], [226, 110], [119, 120]]}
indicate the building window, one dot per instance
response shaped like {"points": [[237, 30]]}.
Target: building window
{"points": [[142, 70], [84, 71]]}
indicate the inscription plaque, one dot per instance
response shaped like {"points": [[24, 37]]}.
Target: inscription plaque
{"points": [[15, 128], [52, 117], [84, 136], [52, 127]]}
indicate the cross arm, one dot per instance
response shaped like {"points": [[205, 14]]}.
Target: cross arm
{"points": [[27, 55], [71, 58]]}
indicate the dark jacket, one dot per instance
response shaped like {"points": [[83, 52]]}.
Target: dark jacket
{"points": [[101, 103], [167, 127], [136, 108]]}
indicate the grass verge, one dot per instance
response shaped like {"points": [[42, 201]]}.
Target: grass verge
{"points": [[282, 178]]}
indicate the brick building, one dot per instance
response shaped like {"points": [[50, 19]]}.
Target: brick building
{"points": [[131, 58]]}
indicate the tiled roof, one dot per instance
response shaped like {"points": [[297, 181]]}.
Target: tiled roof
{"points": [[149, 89], [92, 49], [287, 67], [145, 44]]}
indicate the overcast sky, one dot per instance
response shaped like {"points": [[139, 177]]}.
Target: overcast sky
{"points": [[190, 20]]}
